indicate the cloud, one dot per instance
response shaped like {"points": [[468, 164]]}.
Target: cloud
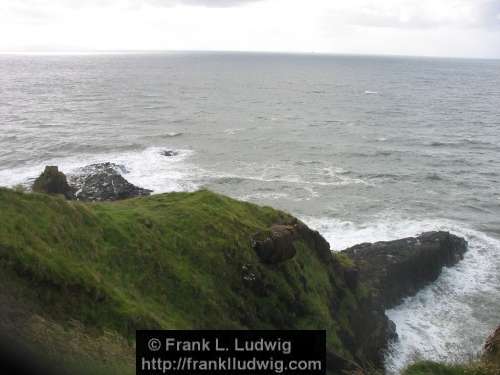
{"points": [[45, 11], [419, 14], [204, 3], [409, 27]]}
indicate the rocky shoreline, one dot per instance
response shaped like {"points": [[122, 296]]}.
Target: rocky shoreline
{"points": [[390, 270], [95, 182], [386, 271]]}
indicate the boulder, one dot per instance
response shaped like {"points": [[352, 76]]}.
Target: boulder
{"points": [[104, 182], [52, 181], [397, 269], [275, 245]]}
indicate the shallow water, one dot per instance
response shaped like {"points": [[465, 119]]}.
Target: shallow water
{"points": [[361, 148]]}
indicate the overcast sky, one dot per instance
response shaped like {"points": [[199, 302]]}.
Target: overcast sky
{"points": [[469, 28]]}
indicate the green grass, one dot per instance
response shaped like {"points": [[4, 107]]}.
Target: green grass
{"points": [[433, 368], [170, 261]]}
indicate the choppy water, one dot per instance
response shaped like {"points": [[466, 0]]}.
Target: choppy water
{"points": [[361, 148]]}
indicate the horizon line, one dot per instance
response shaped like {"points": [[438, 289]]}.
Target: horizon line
{"points": [[167, 51]]}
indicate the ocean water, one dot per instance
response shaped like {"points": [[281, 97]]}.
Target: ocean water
{"points": [[360, 148]]}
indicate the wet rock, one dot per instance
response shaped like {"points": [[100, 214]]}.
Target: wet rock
{"points": [[390, 271], [169, 153], [52, 181], [104, 182], [397, 269]]}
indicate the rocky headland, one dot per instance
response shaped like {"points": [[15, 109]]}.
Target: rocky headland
{"points": [[198, 260]]}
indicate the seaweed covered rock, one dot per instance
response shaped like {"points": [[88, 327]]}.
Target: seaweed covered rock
{"points": [[397, 269], [52, 181]]}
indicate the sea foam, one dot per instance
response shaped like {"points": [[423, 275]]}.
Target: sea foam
{"points": [[451, 317]]}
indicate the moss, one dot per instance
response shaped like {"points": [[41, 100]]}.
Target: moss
{"points": [[344, 260], [170, 261]]}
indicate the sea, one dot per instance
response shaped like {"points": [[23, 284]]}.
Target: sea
{"points": [[361, 148]]}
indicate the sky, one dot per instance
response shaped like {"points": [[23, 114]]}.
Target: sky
{"points": [[447, 28]]}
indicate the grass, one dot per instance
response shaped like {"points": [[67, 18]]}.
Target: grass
{"points": [[99, 271], [433, 368]]}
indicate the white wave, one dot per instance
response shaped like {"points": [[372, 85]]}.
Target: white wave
{"points": [[264, 196], [147, 168], [450, 318], [233, 131], [343, 234], [337, 174], [173, 134], [368, 92]]}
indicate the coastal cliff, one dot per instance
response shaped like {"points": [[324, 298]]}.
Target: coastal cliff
{"points": [[96, 272]]}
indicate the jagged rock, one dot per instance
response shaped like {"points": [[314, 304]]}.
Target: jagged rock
{"points": [[391, 271], [276, 244], [397, 269], [104, 182], [52, 181]]}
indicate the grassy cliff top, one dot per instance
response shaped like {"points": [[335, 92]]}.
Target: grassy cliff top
{"points": [[96, 272]]}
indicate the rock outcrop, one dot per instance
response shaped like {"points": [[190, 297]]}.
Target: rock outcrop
{"points": [[169, 153], [397, 269], [52, 181], [390, 271], [386, 271], [95, 182], [104, 182], [277, 244]]}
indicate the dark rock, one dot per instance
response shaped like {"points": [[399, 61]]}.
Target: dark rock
{"points": [[391, 271], [372, 332], [52, 181], [387, 272], [169, 153], [316, 241], [391, 331], [351, 276], [397, 269], [276, 245], [104, 182]]}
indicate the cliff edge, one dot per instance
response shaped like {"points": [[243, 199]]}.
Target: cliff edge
{"points": [[93, 273]]}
